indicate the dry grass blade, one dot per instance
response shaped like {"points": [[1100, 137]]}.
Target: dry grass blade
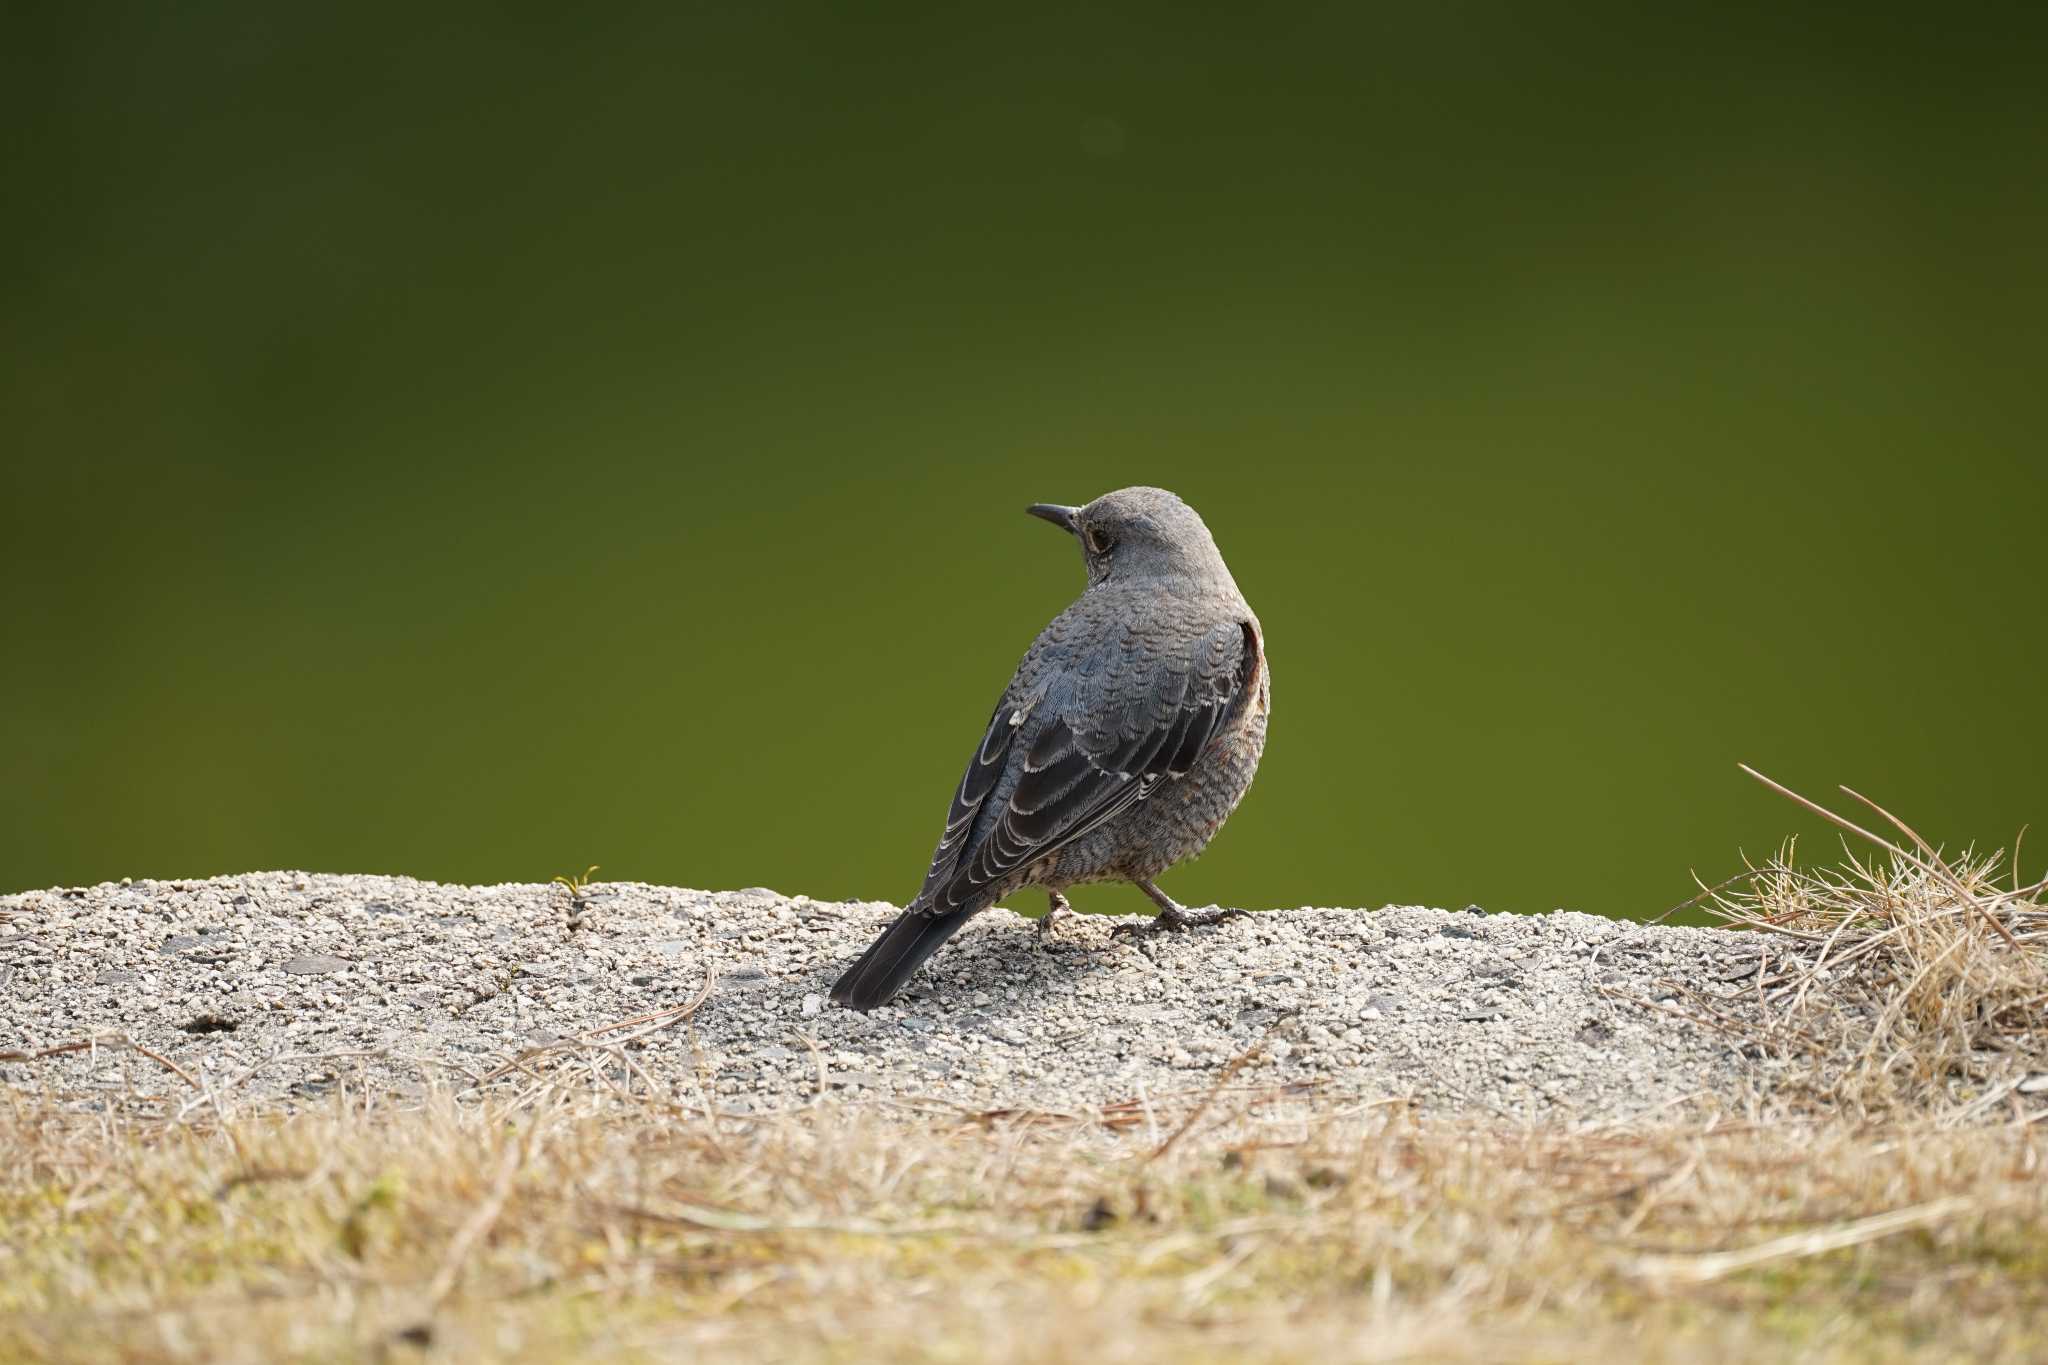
{"points": [[1223, 1080], [652, 1022], [1718, 1265], [119, 1042]]}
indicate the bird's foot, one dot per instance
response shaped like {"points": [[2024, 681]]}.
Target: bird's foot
{"points": [[1173, 916], [1056, 910], [1179, 918]]}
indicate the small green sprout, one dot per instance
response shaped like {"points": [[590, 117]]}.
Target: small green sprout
{"points": [[576, 886]]}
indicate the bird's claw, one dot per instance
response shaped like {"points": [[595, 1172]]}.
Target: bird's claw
{"points": [[1048, 923]]}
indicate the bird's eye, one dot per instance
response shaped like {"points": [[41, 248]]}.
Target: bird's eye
{"points": [[1100, 541]]}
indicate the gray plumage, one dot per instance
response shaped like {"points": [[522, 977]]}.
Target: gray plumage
{"points": [[1130, 732]]}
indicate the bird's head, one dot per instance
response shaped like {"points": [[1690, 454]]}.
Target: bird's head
{"points": [[1137, 533]]}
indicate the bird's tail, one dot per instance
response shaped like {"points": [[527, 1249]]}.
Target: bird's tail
{"points": [[890, 959]]}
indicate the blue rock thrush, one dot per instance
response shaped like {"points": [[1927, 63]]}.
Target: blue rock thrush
{"points": [[1129, 733]]}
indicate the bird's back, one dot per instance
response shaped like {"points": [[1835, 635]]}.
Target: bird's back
{"points": [[1177, 822]]}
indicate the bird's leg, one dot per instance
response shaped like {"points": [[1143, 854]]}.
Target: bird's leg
{"points": [[1056, 909], [1175, 916]]}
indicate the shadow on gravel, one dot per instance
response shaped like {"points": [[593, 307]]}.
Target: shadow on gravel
{"points": [[999, 972]]}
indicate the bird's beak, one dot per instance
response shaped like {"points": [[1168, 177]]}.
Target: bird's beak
{"points": [[1062, 517]]}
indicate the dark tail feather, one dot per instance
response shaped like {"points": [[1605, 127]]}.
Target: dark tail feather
{"points": [[890, 960]]}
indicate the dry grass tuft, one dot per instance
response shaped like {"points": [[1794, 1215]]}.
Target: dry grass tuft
{"points": [[1912, 982], [1236, 1225]]}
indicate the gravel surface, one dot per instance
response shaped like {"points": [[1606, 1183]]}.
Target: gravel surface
{"points": [[279, 985]]}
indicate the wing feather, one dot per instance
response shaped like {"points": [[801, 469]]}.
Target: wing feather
{"points": [[1111, 738], [981, 777]]}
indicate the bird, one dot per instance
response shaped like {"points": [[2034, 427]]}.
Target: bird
{"points": [[1129, 733]]}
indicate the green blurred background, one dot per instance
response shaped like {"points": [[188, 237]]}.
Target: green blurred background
{"points": [[475, 442]]}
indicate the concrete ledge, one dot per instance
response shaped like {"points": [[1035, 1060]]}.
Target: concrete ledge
{"points": [[280, 985]]}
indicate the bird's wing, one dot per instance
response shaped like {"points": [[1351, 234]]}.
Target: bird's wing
{"points": [[1091, 740]]}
